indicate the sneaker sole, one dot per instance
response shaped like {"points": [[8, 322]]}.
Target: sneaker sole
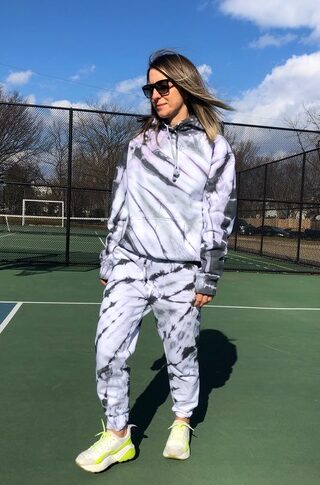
{"points": [[126, 454], [183, 456]]}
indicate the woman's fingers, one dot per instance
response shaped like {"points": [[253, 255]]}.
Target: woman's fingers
{"points": [[202, 300]]}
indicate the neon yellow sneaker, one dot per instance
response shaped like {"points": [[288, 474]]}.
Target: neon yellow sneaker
{"points": [[109, 449], [177, 446]]}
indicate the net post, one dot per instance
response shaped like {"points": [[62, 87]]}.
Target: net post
{"points": [[23, 211], [62, 219], [7, 223]]}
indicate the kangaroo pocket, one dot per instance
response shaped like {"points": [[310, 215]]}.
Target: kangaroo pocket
{"points": [[164, 238]]}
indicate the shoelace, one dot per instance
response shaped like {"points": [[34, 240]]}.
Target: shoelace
{"points": [[103, 429], [105, 433], [180, 425]]}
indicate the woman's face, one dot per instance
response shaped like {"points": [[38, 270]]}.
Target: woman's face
{"points": [[170, 106]]}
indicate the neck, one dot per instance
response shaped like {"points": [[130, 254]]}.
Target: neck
{"points": [[179, 117]]}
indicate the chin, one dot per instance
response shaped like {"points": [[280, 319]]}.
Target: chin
{"points": [[162, 114], [162, 117]]}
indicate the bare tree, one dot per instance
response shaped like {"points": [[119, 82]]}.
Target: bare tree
{"points": [[55, 152], [246, 151], [310, 141], [310, 120], [99, 141], [20, 131], [21, 177]]}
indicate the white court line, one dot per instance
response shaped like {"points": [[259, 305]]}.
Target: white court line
{"points": [[228, 307], [234, 307], [259, 261], [6, 235], [54, 302], [103, 244], [10, 316]]}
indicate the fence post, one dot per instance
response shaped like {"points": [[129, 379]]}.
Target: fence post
{"points": [[69, 186], [263, 206], [301, 206], [237, 211]]}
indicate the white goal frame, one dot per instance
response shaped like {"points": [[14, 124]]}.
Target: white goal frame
{"points": [[24, 215]]}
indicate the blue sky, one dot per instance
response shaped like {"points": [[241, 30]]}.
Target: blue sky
{"points": [[261, 57]]}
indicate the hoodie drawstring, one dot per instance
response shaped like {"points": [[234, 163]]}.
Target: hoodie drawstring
{"points": [[175, 154]]}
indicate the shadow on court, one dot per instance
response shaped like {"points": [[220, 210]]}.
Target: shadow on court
{"points": [[217, 355], [30, 269]]}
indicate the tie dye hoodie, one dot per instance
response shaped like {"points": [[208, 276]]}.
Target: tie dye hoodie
{"points": [[174, 200]]}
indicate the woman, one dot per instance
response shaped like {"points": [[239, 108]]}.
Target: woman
{"points": [[172, 212]]}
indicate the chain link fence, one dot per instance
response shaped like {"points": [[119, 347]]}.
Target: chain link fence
{"points": [[57, 167], [279, 210]]}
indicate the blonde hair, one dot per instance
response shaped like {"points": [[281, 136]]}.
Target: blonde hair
{"points": [[198, 99]]}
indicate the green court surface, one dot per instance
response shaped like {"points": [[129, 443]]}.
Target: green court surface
{"points": [[45, 244], [257, 422], [49, 244]]}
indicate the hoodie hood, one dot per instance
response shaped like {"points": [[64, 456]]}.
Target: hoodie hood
{"points": [[187, 126]]}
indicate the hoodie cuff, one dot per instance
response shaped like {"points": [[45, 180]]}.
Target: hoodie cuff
{"points": [[206, 284]]}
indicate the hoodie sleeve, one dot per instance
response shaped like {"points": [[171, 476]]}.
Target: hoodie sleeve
{"points": [[219, 210], [117, 221]]}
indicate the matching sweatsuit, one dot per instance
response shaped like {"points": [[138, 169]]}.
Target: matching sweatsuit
{"points": [[172, 212]]}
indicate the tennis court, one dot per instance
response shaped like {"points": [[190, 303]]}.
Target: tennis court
{"points": [[43, 240], [257, 422]]}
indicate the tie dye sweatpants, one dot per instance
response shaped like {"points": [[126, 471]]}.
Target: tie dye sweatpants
{"points": [[136, 286]]}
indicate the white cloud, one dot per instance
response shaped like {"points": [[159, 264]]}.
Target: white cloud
{"points": [[126, 95], [62, 116], [205, 71], [130, 84], [82, 73], [274, 13], [19, 78], [31, 99], [268, 40], [283, 93], [283, 14], [105, 97], [65, 103]]}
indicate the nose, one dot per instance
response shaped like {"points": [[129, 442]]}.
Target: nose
{"points": [[155, 95]]}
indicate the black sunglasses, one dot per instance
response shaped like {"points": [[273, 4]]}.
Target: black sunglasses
{"points": [[161, 86]]}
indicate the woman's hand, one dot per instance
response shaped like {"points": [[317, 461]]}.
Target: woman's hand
{"points": [[202, 300], [103, 282]]}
